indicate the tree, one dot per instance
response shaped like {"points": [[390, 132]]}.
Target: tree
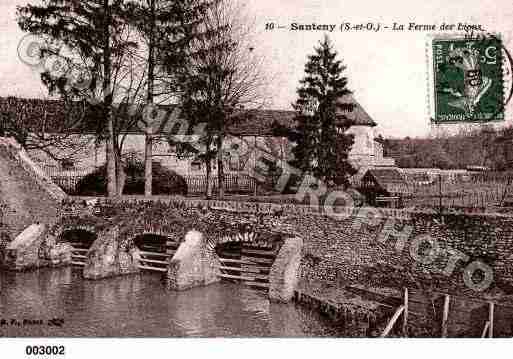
{"points": [[219, 84], [94, 38], [166, 29], [322, 146]]}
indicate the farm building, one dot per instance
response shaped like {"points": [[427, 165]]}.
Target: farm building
{"points": [[384, 187], [254, 130]]}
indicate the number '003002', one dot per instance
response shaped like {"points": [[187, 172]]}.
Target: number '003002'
{"points": [[44, 350]]}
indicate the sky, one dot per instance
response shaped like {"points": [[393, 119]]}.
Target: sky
{"points": [[387, 70]]}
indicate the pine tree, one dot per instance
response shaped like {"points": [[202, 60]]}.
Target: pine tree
{"points": [[322, 146]]}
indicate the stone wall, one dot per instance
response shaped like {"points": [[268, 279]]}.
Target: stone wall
{"points": [[424, 251], [377, 247]]}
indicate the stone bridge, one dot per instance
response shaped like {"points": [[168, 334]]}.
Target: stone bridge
{"points": [[189, 243]]}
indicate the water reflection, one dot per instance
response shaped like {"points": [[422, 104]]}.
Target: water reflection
{"points": [[140, 305]]}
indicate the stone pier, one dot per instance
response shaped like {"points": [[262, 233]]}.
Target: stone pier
{"points": [[34, 248], [283, 277], [193, 265], [23, 252], [106, 258]]}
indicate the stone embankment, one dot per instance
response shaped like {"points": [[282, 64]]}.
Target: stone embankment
{"points": [[27, 195]]}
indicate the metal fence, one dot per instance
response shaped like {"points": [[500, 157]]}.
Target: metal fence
{"points": [[196, 184], [66, 179], [233, 183], [475, 190]]}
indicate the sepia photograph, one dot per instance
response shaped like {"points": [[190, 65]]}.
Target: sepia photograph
{"points": [[255, 170]]}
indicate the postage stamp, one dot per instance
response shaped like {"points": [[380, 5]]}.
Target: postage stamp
{"points": [[468, 79]]}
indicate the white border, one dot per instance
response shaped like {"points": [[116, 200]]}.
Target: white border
{"points": [[262, 348]]}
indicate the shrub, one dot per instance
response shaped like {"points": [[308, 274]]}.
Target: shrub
{"points": [[94, 184], [165, 181]]}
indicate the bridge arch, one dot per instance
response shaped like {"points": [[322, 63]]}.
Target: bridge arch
{"points": [[264, 253], [270, 261], [247, 256], [80, 239], [155, 250], [74, 235]]}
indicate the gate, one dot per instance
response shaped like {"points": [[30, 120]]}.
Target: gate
{"points": [[246, 263], [81, 241], [155, 251]]}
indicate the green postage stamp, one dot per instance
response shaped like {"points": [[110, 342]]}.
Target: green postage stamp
{"points": [[468, 79]]}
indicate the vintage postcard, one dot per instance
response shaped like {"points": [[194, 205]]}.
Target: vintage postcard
{"points": [[254, 169]]}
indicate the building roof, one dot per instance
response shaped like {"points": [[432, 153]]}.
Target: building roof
{"points": [[50, 116], [53, 116], [358, 116], [262, 122], [389, 179]]}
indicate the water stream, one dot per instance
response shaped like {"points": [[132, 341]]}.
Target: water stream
{"points": [[141, 306]]}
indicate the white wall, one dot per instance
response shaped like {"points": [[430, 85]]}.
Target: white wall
{"points": [[86, 155]]}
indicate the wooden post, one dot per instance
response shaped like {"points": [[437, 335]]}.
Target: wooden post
{"points": [[405, 314], [392, 321], [440, 193], [255, 193], [485, 329], [445, 315], [490, 319]]}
